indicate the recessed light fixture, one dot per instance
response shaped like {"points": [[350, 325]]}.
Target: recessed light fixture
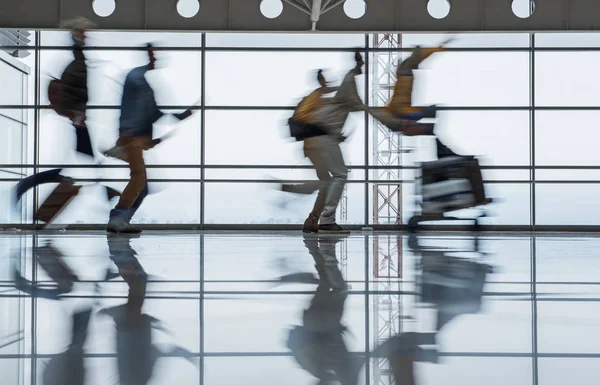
{"points": [[188, 8], [104, 8], [271, 8]]}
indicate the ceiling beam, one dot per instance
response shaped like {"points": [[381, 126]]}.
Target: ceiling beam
{"points": [[316, 13], [244, 16]]}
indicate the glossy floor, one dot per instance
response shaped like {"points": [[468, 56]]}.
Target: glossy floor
{"points": [[279, 308]]}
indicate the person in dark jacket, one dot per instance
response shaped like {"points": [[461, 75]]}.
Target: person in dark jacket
{"points": [[74, 89], [139, 112]]}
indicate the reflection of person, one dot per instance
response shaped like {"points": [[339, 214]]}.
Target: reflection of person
{"points": [[318, 345], [454, 286], [136, 354], [400, 114], [324, 151], [68, 367], [52, 262], [139, 112]]}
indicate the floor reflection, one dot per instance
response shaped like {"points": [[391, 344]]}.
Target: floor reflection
{"points": [[373, 308]]}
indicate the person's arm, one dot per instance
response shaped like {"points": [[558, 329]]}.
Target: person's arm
{"points": [[183, 115], [349, 92], [329, 89]]}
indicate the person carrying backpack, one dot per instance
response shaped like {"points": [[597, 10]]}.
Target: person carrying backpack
{"points": [[68, 95], [322, 147]]}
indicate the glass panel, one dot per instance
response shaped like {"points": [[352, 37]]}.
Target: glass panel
{"points": [[499, 138], [567, 39], [13, 138], [126, 38], [552, 266], [566, 79], [576, 321], [262, 138], [567, 175], [473, 79], [58, 138], [12, 368], [558, 371], [466, 370], [553, 147], [261, 203], [13, 93], [271, 78], [176, 80], [281, 370], [265, 327], [567, 204], [467, 40], [288, 40]]}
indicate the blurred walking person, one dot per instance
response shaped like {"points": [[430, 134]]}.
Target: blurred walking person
{"points": [[400, 115], [323, 120], [139, 112]]}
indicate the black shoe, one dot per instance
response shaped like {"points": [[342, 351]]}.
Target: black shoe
{"points": [[311, 224], [333, 228], [119, 223], [123, 229]]}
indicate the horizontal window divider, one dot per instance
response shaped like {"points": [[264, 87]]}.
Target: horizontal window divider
{"points": [[297, 181], [286, 108], [524, 231], [351, 49], [221, 354], [283, 166], [363, 49]]}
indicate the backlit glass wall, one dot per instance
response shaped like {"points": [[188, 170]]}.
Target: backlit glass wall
{"points": [[526, 104]]}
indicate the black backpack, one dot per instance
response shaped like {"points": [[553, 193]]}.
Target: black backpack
{"points": [[56, 98], [302, 131]]}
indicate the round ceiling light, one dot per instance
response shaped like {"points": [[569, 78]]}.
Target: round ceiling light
{"points": [[438, 9], [104, 8], [523, 8], [355, 9], [271, 8], [188, 8]]}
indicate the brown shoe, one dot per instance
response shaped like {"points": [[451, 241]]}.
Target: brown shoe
{"points": [[311, 224]]}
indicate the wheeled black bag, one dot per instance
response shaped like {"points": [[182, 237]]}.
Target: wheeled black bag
{"points": [[452, 182]]}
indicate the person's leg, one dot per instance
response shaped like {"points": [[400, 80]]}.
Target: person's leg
{"points": [[137, 173], [316, 154], [401, 124], [138, 202], [339, 174], [408, 127], [135, 158]]}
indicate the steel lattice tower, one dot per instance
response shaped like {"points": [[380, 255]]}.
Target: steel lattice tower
{"points": [[387, 205]]}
